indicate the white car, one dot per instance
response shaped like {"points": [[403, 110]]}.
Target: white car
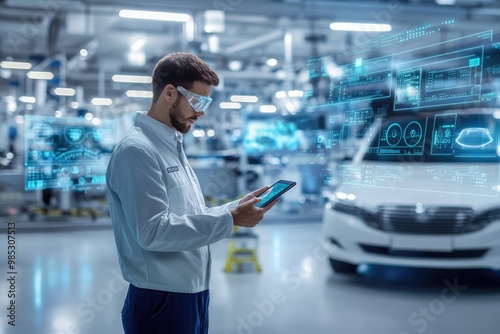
{"points": [[421, 191]]}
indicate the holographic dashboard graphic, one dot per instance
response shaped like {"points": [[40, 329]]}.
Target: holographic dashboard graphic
{"points": [[430, 94], [67, 153]]}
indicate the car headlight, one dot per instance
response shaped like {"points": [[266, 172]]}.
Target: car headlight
{"points": [[349, 207], [484, 218], [345, 207]]}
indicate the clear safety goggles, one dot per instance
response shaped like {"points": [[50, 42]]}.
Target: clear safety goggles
{"points": [[198, 102]]}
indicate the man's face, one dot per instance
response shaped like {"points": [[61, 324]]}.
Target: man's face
{"points": [[182, 115]]}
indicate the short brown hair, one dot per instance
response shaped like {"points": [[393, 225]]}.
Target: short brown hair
{"points": [[181, 69]]}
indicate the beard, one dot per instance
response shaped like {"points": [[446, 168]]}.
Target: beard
{"points": [[178, 122]]}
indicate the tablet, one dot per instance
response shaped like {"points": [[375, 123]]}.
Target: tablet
{"points": [[274, 191]]}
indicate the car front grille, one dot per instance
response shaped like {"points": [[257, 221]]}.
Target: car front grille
{"points": [[412, 219], [457, 254]]}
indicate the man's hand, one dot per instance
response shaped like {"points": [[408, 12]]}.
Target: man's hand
{"points": [[253, 194], [246, 214]]}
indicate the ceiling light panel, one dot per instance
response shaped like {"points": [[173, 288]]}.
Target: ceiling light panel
{"points": [[27, 99], [158, 16], [139, 93], [99, 101], [60, 91], [244, 98], [355, 26], [14, 65], [144, 79], [38, 75], [230, 105], [137, 45]]}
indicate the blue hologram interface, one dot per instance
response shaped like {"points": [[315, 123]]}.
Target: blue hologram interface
{"points": [[407, 99], [67, 153]]}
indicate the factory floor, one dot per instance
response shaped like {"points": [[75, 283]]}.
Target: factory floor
{"points": [[68, 281]]}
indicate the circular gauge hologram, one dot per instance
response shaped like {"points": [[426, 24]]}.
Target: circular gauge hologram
{"points": [[394, 133], [413, 133]]}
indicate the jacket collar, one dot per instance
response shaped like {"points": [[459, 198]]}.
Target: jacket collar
{"points": [[158, 130]]}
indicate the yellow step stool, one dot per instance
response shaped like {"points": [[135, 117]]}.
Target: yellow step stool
{"points": [[240, 250]]}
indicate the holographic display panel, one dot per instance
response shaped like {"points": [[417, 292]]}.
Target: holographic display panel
{"points": [[435, 67], [273, 135], [456, 151], [67, 153], [420, 104]]}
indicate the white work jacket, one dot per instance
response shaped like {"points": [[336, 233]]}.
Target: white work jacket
{"points": [[162, 228]]}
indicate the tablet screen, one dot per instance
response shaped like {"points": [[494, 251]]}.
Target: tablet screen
{"points": [[275, 191]]}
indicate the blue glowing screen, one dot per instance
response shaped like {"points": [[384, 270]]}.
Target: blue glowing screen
{"points": [[271, 135], [443, 68], [67, 153], [417, 109]]}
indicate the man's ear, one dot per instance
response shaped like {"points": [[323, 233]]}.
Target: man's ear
{"points": [[169, 93]]}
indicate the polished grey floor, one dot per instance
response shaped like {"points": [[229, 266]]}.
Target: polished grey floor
{"points": [[68, 282]]}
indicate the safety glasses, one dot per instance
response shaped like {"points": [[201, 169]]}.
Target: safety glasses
{"points": [[198, 102]]}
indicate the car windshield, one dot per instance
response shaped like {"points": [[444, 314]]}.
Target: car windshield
{"points": [[454, 136]]}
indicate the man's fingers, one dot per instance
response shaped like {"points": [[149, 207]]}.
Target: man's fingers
{"points": [[255, 200], [259, 191], [270, 205], [252, 201]]}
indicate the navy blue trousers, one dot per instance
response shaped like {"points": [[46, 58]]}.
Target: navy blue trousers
{"points": [[159, 312]]}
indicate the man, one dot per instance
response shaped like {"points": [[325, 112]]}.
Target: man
{"points": [[162, 228]]}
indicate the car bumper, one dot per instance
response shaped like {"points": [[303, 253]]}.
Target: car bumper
{"points": [[348, 239]]}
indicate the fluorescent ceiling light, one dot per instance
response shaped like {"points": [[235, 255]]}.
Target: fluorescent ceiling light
{"points": [[272, 62], [199, 133], [446, 2], [230, 105], [267, 109], [213, 43], [64, 91], [140, 93], [137, 58], [27, 99], [19, 119], [295, 93], [101, 101], [281, 94], [214, 21], [353, 26], [137, 45], [37, 75], [235, 65], [159, 16], [244, 98], [132, 78], [84, 53], [14, 65]]}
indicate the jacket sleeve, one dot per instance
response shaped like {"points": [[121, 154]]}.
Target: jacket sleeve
{"points": [[136, 181], [226, 206]]}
